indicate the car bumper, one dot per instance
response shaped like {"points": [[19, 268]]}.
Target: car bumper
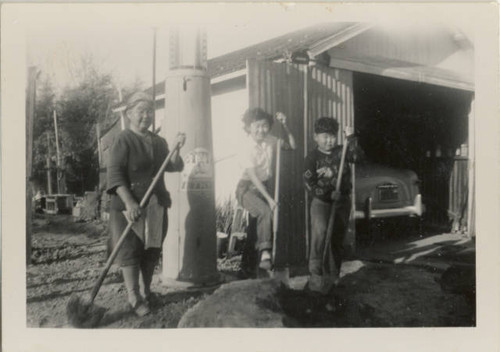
{"points": [[414, 210]]}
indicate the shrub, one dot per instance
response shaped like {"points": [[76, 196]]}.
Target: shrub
{"points": [[224, 212]]}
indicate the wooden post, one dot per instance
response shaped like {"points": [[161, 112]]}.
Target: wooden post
{"points": [[30, 112], [350, 237], [49, 176], [154, 82], [122, 114], [471, 199], [99, 145], [306, 151], [58, 158]]}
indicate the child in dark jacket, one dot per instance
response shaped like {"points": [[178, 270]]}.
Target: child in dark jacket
{"points": [[321, 171]]}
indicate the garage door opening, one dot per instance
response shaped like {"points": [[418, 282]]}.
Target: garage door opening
{"points": [[423, 128]]}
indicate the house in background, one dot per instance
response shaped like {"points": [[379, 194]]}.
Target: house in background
{"points": [[408, 92]]}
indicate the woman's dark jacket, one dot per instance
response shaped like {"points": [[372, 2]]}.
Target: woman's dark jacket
{"points": [[131, 165]]}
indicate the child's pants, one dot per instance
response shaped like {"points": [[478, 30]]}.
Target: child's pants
{"points": [[320, 214], [259, 209]]}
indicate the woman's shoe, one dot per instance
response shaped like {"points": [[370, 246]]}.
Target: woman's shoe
{"points": [[141, 308]]}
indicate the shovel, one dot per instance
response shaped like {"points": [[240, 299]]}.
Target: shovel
{"points": [[281, 274], [327, 281], [81, 312]]}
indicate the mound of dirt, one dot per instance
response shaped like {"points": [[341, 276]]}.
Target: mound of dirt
{"points": [[369, 295], [239, 304]]}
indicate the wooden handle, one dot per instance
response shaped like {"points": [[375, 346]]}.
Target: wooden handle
{"points": [[331, 220], [341, 167], [277, 189], [276, 198], [125, 232]]}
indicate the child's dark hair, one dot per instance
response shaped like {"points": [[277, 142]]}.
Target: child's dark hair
{"points": [[326, 125], [256, 114]]}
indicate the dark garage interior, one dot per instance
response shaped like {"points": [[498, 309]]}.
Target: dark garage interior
{"points": [[420, 127]]}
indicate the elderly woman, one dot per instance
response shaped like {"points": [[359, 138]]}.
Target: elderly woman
{"points": [[135, 158]]}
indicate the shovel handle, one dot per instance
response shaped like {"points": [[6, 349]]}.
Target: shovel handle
{"points": [[331, 220], [276, 199], [277, 190], [125, 232]]}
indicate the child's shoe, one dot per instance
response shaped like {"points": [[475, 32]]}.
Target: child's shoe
{"points": [[315, 283], [244, 274], [153, 299], [330, 307], [265, 260]]}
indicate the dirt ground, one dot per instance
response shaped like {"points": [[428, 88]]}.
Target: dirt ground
{"points": [[68, 257]]}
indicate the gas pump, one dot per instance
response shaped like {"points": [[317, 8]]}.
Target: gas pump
{"points": [[189, 251]]}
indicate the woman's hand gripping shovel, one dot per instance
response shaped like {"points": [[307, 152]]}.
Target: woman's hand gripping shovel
{"points": [[328, 278], [81, 312]]}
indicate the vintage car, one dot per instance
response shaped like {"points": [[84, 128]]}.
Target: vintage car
{"points": [[383, 192]]}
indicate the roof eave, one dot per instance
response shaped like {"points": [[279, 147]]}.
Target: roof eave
{"points": [[338, 38]]}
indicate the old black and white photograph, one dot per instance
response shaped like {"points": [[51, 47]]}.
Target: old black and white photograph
{"points": [[308, 167]]}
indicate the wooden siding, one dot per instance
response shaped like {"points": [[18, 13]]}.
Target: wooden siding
{"points": [[445, 187], [459, 189], [303, 94]]}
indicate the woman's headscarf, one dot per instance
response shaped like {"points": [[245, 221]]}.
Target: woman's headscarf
{"points": [[136, 98]]}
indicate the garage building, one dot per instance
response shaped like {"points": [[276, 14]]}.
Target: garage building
{"points": [[408, 91]]}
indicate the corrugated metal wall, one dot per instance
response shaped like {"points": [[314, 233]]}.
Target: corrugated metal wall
{"points": [[279, 87], [303, 94], [330, 93]]}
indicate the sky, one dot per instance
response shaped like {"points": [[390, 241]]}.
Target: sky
{"points": [[120, 36], [120, 40], [56, 42], [123, 45]]}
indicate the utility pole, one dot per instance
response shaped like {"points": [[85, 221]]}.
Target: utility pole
{"points": [[100, 166], [30, 115], [122, 114], [61, 182], [154, 81], [99, 145], [49, 176]]}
